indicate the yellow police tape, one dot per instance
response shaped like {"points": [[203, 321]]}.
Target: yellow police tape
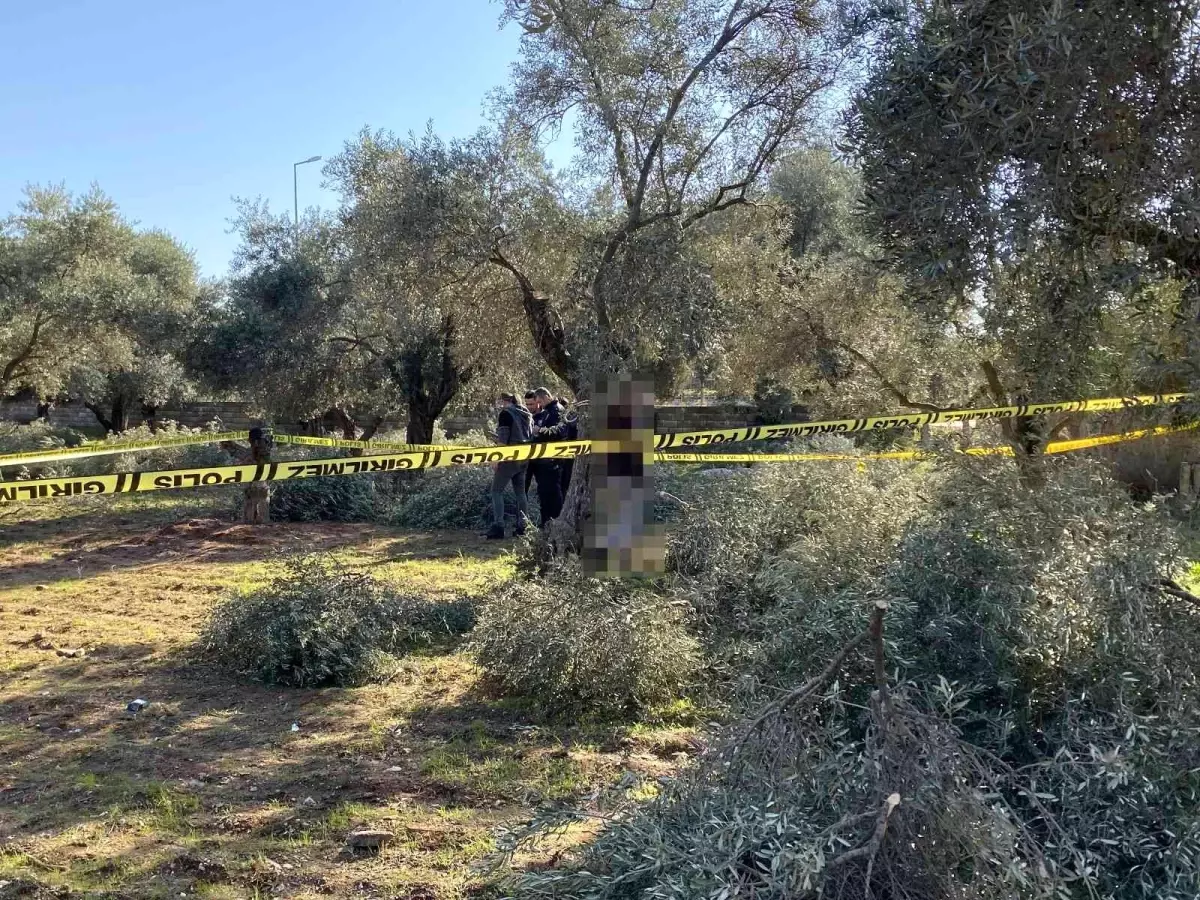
{"points": [[130, 482], [348, 444], [1052, 447], [808, 429], [84, 451], [661, 441], [913, 420]]}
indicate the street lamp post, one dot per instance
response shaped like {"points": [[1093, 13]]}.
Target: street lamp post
{"points": [[296, 193]]}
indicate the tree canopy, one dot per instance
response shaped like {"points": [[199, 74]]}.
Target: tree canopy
{"points": [[91, 306]]}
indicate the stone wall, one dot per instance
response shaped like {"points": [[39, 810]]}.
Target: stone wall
{"points": [[666, 419], [235, 416], [232, 416]]}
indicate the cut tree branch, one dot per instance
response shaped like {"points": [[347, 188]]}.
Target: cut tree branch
{"points": [[805, 691]]}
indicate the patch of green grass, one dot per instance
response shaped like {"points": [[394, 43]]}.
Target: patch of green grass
{"points": [[14, 862], [345, 816], [1191, 580], [461, 852], [205, 890], [172, 808], [478, 765], [167, 506], [113, 788], [683, 712]]}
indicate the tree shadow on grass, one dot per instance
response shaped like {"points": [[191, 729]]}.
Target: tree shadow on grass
{"points": [[218, 772], [134, 547], [214, 769]]}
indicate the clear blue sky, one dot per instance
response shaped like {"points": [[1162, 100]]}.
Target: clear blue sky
{"points": [[175, 107]]}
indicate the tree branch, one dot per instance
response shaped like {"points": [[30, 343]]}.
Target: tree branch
{"points": [[549, 336], [1172, 587], [999, 395], [604, 102], [881, 685], [1053, 432], [24, 355], [357, 342], [1183, 251], [805, 691], [98, 412], [729, 33], [901, 397]]}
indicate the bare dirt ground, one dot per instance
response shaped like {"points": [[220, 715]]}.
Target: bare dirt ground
{"points": [[224, 788]]}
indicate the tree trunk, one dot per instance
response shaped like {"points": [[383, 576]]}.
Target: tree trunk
{"points": [[346, 423], [256, 508], [349, 427], [101, 416], [1024, 433], [565, 533], [421, 421], [120, 414], [371, 428], [1028, 443]]}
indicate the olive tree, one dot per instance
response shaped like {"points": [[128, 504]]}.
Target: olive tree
{"points": [[382, 306], [678, 109], [138, 357], [425, 309], [828, 323], [92, 307], [56, 252], [289, 292], [1034, 168]]}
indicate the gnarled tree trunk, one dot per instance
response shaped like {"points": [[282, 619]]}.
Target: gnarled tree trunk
{"points": [[429, 378], [421, 420], [115, 419], [1025, 434], [256, 508]]}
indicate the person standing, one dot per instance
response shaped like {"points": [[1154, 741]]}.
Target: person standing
{"points": [[546, 472], [514, 425], [531, 403], [558, 426]]}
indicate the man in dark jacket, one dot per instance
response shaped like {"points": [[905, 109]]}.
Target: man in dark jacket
{"points": [[560, 426], [547, 414], [514, 425]]}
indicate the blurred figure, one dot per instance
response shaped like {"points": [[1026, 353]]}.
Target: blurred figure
{"points": [[621, 538]]}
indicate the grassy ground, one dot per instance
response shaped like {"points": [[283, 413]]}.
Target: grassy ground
{"points": [[222, 788]]}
